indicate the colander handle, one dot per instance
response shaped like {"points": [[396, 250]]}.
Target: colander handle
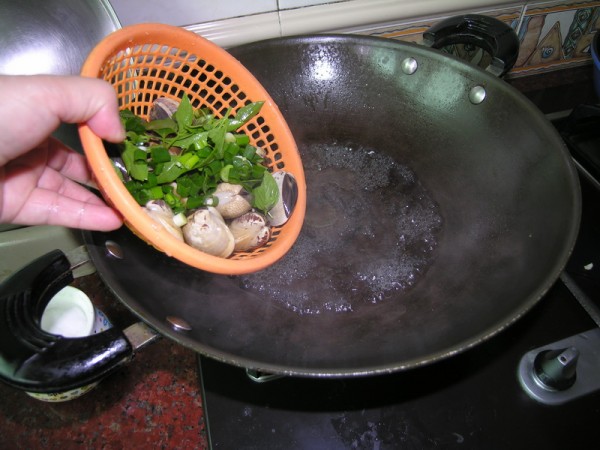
{"points": [[36, 361], [488, 33]]}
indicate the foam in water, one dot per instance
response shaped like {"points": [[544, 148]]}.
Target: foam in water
{"points": [[370, 232]]}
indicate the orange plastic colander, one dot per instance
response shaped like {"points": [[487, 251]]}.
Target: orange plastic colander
{"points": [[147, 61]]}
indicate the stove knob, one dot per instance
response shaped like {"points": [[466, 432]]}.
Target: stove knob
{"points": [[556, 369]]}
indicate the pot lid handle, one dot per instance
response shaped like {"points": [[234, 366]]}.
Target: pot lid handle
{"points": [[491, 34], [36, 361]]}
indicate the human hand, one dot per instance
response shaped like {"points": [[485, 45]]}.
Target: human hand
{"points": [[41, 180]]}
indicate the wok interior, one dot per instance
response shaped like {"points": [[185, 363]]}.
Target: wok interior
{"points": [[498, 173]]}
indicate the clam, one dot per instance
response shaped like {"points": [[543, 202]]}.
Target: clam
{"points": [[163, 108], [206, 230], [250, 231], [233, 200], [120, 166], [288, 194], [162, 214]]}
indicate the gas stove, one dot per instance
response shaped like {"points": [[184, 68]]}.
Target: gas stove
{"points": [[536, 384]]}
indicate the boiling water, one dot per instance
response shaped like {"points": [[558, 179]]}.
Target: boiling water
{"points": [[370, 232]]}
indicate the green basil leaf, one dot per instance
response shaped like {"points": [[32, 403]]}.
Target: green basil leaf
{"points": [[266, 194], [184, 114]]}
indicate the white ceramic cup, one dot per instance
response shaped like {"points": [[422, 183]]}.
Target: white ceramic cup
{"points": [[70, 313]]}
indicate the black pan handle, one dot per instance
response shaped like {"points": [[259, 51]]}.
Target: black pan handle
{"points": [[492, 35], [36, 361]]}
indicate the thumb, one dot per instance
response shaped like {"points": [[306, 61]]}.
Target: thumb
{"points": [[34, 106]]}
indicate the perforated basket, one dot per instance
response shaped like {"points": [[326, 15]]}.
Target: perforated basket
{"points": [[147, 61]]}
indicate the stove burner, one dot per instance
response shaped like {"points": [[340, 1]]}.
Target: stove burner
{"points": [[583, 370]]}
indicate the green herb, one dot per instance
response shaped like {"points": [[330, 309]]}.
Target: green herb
{"points": [[195, 150], [266, 194]]}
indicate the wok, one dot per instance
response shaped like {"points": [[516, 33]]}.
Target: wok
{"points": [[442, 206]]}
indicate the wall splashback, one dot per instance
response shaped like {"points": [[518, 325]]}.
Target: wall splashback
{"points": [[553, 34]]}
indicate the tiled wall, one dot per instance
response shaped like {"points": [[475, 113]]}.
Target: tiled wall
{"points": [[553, 34]]}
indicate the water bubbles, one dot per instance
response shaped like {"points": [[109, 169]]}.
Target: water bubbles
{"points": [[370, 232]]}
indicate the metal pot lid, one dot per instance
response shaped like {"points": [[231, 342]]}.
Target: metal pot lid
{"points": [[53, 36]]}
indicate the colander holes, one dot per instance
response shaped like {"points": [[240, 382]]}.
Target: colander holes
{"points": [[211, 83], [162, 48], [149, 59], [218, 74], [201, 63], [234, 88], [147, 97], [209, 68], [194, 88], [202, 78], [218, 106], [181, 53], [210, 99], [135, 50], [226, 81]]}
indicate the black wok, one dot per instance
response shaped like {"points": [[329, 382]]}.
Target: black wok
{"points": [[507, 195], [490, 179]]}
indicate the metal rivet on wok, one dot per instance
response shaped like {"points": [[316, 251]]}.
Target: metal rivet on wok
{"points": [[477, 95], [178, 323], [114, 249], [409, 66]]}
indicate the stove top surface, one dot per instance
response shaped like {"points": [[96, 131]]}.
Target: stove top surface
{"points": [[472, 400]]}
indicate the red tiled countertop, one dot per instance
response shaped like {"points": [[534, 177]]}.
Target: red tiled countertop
{"points": [[154, 402]]}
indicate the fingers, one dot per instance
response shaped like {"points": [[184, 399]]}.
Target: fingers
{"points": [[34, 106], [46, 207], [59, 201], [37, 189], [68, 163], [98, 109]]}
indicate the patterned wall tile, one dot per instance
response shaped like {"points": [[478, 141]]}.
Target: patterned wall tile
{"points": [[556, 35], [553, 35], [413, 32]]}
